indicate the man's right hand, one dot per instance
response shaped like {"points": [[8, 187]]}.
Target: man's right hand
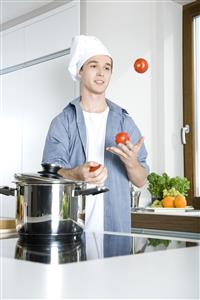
{"points": [[83, 173]]}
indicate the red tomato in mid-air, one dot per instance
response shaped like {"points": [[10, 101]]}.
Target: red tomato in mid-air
{"points": [[141, 65], [122, 137], [92, 169]]}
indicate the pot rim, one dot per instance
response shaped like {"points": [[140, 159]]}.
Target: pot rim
{"points": [[34, 178]]}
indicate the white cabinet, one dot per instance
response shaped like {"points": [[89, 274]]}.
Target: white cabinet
{"points": [[13, 48], [52, 34], [40, 36], [11, 127], [33, 96], [48, 89]]}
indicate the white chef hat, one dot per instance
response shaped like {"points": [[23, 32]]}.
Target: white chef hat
{"points": [[82, 48]]}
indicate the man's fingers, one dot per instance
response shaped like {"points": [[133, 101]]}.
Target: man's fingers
{"points": [[129, 145], [126, 149], [98, 179], [140, 142], [95, 171], [117, 151]]}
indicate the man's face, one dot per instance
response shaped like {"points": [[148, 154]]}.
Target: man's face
{"points": [[95, 74]]}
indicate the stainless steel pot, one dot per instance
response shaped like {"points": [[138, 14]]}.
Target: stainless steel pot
{"points": [[54, 252], [49, 206]]}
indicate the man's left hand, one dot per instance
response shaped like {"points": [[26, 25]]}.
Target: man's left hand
{"points": [[128, 152]]}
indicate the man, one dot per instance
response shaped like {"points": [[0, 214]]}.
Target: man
{"points": [[83, 135]]}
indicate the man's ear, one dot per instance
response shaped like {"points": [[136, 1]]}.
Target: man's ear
{"points": [[79, 75]]}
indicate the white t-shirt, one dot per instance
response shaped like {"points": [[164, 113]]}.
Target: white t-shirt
{"points": [[95, 147]]}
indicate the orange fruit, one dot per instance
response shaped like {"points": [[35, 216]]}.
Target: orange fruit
{"points": [[180, 201], [168, 201]]}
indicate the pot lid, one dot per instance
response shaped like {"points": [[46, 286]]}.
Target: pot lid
{"points": [[36, 178]]}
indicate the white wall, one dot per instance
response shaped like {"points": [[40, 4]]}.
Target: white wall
{"points": [[153, 30]]}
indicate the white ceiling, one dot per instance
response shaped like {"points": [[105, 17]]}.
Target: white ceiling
{"points": [[12, 9]]}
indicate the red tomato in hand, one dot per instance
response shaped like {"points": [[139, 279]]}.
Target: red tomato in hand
{"points": [[92, 169], [122, 137], [141, 65]]}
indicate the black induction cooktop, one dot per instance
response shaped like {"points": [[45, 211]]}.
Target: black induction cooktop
{"points": [[90, 246]]}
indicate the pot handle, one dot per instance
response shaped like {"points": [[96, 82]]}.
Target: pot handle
{"points": [[92, 191], [6, 190]]}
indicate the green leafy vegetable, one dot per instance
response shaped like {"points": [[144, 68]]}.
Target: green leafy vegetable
{"points": [[157, 183], [180, 184], [156, 242], [162, 185]]}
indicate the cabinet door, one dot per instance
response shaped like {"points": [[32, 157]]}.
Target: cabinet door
{"points": [[48, 89], [40, 36], [32, 97], [11, 127], [52, 33], [12, 48]]}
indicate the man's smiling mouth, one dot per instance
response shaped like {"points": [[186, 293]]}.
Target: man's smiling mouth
{"points": [[99, 81]]}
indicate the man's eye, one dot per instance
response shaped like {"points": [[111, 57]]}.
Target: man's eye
{"points": [[107, 68], [93, 66]]}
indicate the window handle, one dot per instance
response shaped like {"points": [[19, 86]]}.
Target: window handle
{"points": [[184, 131]]}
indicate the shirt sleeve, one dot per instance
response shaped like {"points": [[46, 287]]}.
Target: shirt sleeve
{"points": [[56, 149], [135, 134]]}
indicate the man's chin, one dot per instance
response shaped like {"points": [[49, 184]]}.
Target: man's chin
{"points": [[99, 91]]}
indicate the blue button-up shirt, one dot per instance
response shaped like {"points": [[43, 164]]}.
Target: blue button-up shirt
{"points": [[66, 146]]}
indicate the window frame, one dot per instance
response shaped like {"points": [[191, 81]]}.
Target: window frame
{"points": [[189, 12]]}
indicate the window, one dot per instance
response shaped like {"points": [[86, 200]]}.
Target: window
{"points": [[197, 102], [191, 98]]}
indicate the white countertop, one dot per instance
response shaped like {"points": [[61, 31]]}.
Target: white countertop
{"points": [[172, 273], [169, 211]]}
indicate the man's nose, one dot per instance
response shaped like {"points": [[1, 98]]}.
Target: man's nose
{"points": [[100, 71]]}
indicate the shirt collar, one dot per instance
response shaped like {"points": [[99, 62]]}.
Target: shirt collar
{"points": [[112, 106]]}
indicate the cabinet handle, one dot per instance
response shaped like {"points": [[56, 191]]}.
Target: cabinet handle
{"points": [[184, 131]]}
